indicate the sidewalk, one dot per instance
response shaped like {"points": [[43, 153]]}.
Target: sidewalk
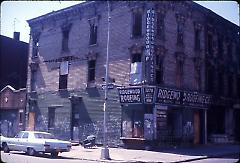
{"points": [[162, 155]]}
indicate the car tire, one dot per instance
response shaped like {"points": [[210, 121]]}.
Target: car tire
{"points": [[31, 152], [54, 154], [5, 148]]}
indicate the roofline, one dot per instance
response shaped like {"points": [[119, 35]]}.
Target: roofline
{"points": [[199, 7], [209, 11], [13, 89], [64, 10]]}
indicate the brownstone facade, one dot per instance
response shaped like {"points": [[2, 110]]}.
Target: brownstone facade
{"points": [[66, 72]]}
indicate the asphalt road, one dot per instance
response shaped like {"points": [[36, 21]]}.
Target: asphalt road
{"points": [[21, 157]]}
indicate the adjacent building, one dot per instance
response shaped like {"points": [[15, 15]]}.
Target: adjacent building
{"points": [[174, 71], [13, 79]]}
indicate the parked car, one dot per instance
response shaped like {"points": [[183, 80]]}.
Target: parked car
{"points": [[33, 142], [2, 139]]}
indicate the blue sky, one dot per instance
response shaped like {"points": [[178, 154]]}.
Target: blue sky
{"points": [[20, 11]]}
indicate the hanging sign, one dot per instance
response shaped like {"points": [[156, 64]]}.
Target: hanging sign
{"points": [[149, 47]]}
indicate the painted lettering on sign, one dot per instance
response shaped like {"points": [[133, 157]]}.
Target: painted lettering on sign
{"points": [[149, 95], [149, 46], [130, 95], [168, 96], [190, 98]]}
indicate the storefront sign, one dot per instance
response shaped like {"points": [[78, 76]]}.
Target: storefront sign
{"points": [[149, 46], [168, 96], [130, 95], [148, 95], [195, 99], [164, 96]]}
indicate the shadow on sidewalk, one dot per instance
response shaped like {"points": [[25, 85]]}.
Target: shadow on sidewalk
{"points": [[210, 150]]}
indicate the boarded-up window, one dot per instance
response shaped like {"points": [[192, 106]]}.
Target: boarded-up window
{"points": [[63, 75], [136, 68]]}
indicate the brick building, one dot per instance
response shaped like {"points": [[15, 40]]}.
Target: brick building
{"points": [[168, 60]]}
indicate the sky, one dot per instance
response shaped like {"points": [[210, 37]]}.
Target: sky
{"points": [[15, 13]]}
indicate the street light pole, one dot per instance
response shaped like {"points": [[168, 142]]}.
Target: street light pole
{"points": [[105, 150]]}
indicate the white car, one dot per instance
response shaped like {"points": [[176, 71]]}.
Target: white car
{"points": [[33, 142]]}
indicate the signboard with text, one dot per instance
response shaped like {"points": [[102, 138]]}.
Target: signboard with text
{"points": [[165, 96], [168, 96], [149, 47], [148, 93], [130, 95]]}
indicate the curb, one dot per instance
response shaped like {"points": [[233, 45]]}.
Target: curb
{"points": [[210, 156]]}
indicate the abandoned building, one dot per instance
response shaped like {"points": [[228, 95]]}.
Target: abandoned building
{"points": [[174, 69]]}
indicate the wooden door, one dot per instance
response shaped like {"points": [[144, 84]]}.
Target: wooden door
{"points": [[196, 127], [31, 121]]}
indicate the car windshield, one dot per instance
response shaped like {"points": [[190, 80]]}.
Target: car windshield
{"points": [[43, 136]]}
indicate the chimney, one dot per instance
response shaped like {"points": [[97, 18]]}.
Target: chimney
{"points": [[16, 35]]}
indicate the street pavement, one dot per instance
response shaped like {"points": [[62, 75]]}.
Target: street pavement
{"points": [[172, 155], [161, 155]]}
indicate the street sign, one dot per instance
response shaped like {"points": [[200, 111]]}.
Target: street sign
{"points": [[110, 86]]}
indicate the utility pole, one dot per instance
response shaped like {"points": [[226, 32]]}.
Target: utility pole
{"points": [[105, 150]]}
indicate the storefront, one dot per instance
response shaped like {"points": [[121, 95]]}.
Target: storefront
{"points": [[162, 116]]}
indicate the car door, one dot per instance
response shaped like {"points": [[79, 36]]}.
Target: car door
{"points": [[23, 142], [14, 143]]}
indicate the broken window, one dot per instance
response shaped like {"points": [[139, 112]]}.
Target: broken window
{"points": [[136, 69], [63, 75], [35, 49], [137, 24]]}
